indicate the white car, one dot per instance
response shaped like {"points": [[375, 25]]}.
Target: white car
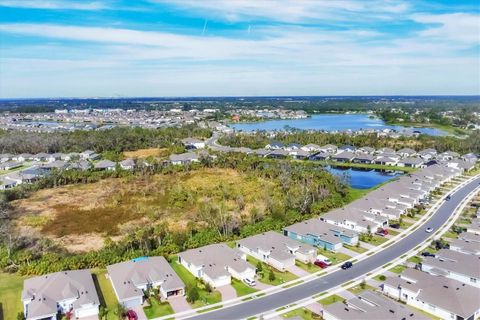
{"points": [[428, 230], [324, 259], [250, 282]]}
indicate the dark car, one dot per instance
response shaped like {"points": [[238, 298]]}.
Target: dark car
{"points": [[427, 254], [321, 264], [395, 225], [347, 265], [448, 197]]}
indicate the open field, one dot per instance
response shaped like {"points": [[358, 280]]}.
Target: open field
{"points": [[145, 153], [10, 292], [80, 216]]}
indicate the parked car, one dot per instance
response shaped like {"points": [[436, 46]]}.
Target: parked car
{"points": [[428, 230], [347, 265], [448, 197], [324, 259], [427, 254], [381, 232], [321, 264], [395, 225], [250, 282]]}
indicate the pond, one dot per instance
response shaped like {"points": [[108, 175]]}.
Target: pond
{"points": [[363, 178], [331, 122]]}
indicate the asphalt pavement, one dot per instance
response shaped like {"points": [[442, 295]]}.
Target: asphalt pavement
{"points": [[291, 295]]}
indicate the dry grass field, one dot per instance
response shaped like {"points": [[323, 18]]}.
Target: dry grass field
{"points": [[81, 216], [145, 153]]}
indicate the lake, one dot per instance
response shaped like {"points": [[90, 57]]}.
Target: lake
{"points": [[330, 122], [363, 178]]}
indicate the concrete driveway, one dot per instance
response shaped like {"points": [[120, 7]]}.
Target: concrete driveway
{"points": [[228, 292], [299, 272], [179, 304]]}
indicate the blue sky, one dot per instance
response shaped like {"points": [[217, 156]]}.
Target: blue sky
{"points": [[120, 48]]}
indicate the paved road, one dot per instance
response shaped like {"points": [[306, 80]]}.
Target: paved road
{"points": [[290, 295]]}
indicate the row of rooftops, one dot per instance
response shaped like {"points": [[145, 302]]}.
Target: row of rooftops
{"points": [[391, 200], [369, 305], [435, 290]]}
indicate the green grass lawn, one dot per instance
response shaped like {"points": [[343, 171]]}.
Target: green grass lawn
{"points": [[280, 277], [241, 288], [375, 240], [11, 286], [355, 248], [358, 289], [307, 267], [205, 297], [157, 309], [393, 232], [105, 293], [450, 234], [380, 277], [303, 313], [415, 259], [329, 300], [336, 258], [398, 269]]}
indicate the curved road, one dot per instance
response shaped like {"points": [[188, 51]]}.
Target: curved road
{"points": [[293, 294]]}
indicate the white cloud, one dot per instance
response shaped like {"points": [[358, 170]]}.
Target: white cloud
{"points": [[454, 27], [54, 4], [292, 10]]}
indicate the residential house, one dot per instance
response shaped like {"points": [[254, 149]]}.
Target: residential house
{"points": [[386, 161], [370, 306], [367, 150], [299, 154], [311, 147], [474, 226], [447, 156], [454, 265], [427, 154], [411, 162], [364, 158], [470, 157], [9, 165], [40, 157], [132, 279], [278, 154], [184, 158], [406, 152], [6, 157], [354, 219], [292, 147], [105, 165], [320, 234], [329, 148], [347, 148], [127, 164], [60, 292], [89, 155], [192, 143], [344, 156], [274, 145], [23, 157], [277, 250], [79, 165], [6, 183], [465, 246], [383, 151], [216, 264], [437, 295]]}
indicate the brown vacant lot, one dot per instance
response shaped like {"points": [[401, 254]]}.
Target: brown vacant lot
{"points": [[80, 216]]}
